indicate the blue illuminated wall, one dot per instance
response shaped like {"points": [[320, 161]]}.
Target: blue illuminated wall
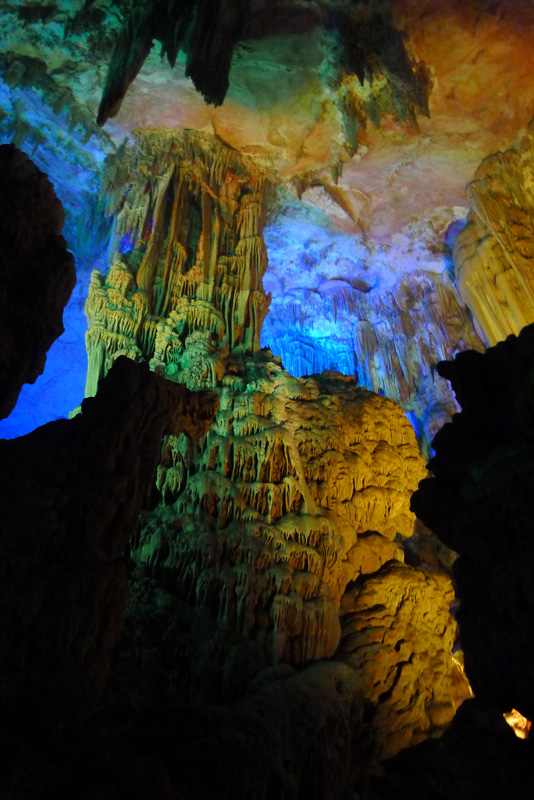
{"points": [[61, 386], [72, 164], [312, 272], [383, 313]]}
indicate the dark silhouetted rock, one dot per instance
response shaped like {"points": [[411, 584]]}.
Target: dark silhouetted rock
{"points": [[36, 273], [70, 495], [480, 503]]}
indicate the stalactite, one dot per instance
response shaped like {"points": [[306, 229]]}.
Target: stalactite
{"points": [[494, 253], [390, 339], [299, 490], [147, 269], [212, 283]]}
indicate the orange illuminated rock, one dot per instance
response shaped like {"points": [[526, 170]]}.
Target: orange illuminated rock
{"points": [[520, 725], [398, 634], [296, 501], [262, 523]]}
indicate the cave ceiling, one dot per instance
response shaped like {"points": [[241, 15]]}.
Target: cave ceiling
{"points": [[374, 116], [284, 83]]}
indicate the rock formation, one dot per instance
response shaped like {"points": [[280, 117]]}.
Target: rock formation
{"points": [[493, 254], [188, 290], [479, 502], [262, 525], [329, 309], [36, 273], [270, 610], [71, 494], [168, 301], [209, 32], [217, 594], [271, 578], [337, 94], [281, 631], [276, 541]]}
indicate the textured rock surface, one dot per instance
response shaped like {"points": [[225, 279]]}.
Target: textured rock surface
{"points": [[398, 635], [261, 524], [339, 303], [64, 52], [274, 543], [36, 273], [493, 254], [478, 55], [270, 577], [271, 539], [351, 149], [369, 46], [183, 306], [479, 502], [275, 643], [188, 290], [286, 89]]}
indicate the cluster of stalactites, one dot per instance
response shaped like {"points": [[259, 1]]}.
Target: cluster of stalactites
{"points": [[494, 254], [367, 42], [189, 214], [391, 339]]}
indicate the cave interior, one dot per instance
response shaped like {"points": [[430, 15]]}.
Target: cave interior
{"points": [[266, 268]]}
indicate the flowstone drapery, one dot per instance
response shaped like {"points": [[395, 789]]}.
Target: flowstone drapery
{"points": [[188, 291], [282, 528]]}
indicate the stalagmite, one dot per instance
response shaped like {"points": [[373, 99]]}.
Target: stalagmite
{"points": [[274, 485]]}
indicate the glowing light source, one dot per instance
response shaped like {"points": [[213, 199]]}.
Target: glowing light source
{"points": [[518, 723]]}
